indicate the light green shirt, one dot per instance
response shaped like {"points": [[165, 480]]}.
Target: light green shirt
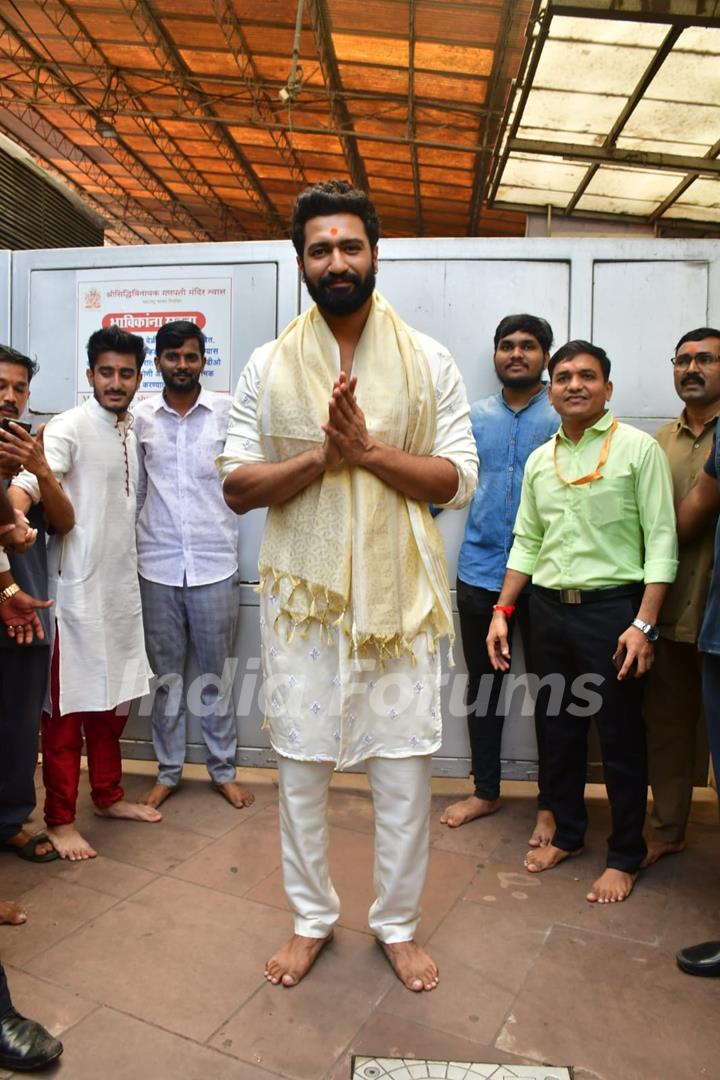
{"points": [[615, 530]]}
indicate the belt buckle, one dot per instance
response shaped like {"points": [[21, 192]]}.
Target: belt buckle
{"points": [[570, 596]]}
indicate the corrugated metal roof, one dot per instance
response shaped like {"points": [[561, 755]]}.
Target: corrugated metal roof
{"points": [[214, 137], [616, 112]]}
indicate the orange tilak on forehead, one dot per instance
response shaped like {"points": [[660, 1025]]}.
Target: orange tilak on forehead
{"points": [[333, 231]]}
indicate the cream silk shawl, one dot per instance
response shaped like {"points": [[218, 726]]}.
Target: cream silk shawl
{"points": [[349, 550]]}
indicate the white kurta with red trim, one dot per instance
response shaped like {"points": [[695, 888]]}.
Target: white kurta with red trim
{"points": [[93, 569]]}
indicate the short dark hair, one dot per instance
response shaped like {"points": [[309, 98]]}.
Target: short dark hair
{"points": [[698, 335], [540, 329], [9, 355], [577, 348], [113, 339], [332, 197], [174, 334]]}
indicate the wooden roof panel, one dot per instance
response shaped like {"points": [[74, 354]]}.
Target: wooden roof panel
{"points": [[369, 49], [462, 59], [380, 80], [192, 89], [458, 22], [446, 88]]}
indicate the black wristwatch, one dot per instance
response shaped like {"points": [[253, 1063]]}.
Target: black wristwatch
{"points": [[651, 632]]}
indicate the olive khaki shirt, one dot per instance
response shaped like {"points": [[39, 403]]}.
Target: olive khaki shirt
{"points": [[618, 529], [682, 613]]}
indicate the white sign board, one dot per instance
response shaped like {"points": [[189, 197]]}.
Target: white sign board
{"points": [[142, 306]]}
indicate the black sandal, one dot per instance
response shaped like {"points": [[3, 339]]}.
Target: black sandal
{"points": [[28, 850]]}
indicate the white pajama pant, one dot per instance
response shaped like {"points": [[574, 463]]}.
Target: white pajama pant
{"points": [[401, 801]]}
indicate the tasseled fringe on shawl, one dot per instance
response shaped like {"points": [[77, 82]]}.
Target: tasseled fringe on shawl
{"points": [[308, 604]]}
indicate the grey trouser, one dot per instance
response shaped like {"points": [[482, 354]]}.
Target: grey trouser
{"points": [[206, 616]]}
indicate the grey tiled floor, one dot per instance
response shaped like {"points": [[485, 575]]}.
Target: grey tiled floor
{"points": [[149, 959]]}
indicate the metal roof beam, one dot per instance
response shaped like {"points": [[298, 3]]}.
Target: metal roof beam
{"points": [[493, 93], [66, 97], [127, 212], [170, 83], [170, 60], [262, 102], [680, 13], [117, 90], [681, 188], [411, 119], [613, 155], [631, 104], [339, 114], [539, 21]]}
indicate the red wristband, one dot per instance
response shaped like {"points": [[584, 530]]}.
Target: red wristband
{"points": [[507, 609]]}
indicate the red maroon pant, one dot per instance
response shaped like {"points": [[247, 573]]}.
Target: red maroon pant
{"points": [[62, 738]]}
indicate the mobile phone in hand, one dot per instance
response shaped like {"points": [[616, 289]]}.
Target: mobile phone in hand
{"points": [[6, 421]]}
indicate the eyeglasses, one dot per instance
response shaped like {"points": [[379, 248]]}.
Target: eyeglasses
{"points": [[702, 359]]}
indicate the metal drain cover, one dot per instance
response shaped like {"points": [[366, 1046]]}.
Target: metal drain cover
{"points": [[370, 1068]]}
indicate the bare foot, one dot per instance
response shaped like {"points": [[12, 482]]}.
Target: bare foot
{"points": [[294, 959], [23, 838], [131, 811], [544, 858], [657, 848], [69, 844], [157, 795], [611, 887], [11, 913], [412, 965], [544, 829], [235, 795], [467, 810]]}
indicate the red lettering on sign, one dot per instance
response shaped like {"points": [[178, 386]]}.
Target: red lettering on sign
{"points": [[149, 322]]}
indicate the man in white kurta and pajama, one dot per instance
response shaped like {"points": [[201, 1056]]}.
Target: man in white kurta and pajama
{"points": [[346, 427], [99, 659]]}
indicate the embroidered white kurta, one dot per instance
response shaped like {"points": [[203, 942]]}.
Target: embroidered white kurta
{"points": [[92, 570], [321, 703]]}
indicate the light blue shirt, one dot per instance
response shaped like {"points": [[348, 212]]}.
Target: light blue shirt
{"points": [[505, 438], [185, 531]]}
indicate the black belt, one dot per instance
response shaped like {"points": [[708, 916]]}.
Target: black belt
{"points": [[589, 596]]}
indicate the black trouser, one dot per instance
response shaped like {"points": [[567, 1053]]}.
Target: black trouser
{"points": [[570, 642], [23, 679], [486, 712], [711, 695], [5, 1002]]}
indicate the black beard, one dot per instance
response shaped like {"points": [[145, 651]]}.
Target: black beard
{"points": [[117, 410], [344, 303], [188, 387], [520, 382]]}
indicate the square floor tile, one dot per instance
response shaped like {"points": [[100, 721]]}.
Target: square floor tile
{"points": [[241, 859], [483, 956], [615, 1009], [555, 898], [299, 1032], [55, 910], [110, 1045], [55, 1008], [175, 954]]}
